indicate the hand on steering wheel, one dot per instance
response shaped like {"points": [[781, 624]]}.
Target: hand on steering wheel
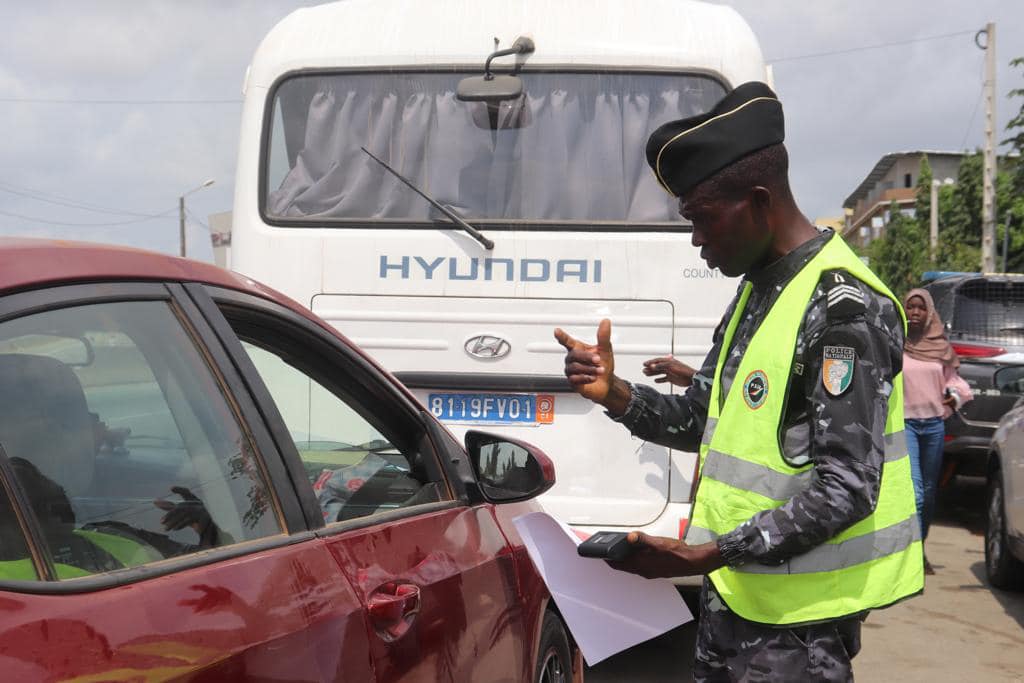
{"points": [[189, 512]]}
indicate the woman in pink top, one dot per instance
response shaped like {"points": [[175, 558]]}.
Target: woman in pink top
{"points": [[932, 390]]}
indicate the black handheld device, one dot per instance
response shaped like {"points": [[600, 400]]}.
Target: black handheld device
{"points": [[606, 545]]}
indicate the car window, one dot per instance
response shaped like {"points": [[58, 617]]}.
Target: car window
{"points": [[990, 311], [15, 558], [1010, 380], [122, 440], [359, 460]]}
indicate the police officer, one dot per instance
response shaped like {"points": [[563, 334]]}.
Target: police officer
{"points": [[804, 517]]}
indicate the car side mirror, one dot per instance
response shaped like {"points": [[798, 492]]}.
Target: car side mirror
{"points": [[1010, 380], [508, 470]]}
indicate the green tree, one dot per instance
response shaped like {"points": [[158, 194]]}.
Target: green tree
{"points": [[1010, 192], [1015, 127], [923, 196], [898, 257], [962, 222]]}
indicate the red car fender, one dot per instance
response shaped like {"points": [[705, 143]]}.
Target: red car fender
{"points": [[529, 582]]}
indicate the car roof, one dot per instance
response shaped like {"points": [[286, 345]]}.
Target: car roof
{"points": [[932, 277], [27, 263]]}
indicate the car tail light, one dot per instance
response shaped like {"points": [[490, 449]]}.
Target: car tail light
{"points": [[977, 350], [948, 437]]}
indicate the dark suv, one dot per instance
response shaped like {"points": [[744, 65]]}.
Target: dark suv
{"points": [[984, 318]]}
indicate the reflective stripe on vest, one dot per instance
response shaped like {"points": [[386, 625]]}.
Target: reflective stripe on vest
{"points": [[773, 484], [832, 556], [742, 472], [709, 431], [129, 552], [24, 570]]}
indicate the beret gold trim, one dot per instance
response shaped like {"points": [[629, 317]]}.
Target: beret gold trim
{"points": [[657, 161]]}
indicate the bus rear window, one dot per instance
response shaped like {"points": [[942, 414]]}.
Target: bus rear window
{"points": [[571, 149]]}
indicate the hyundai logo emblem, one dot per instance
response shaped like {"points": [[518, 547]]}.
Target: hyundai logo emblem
{"points": [[487, 346]]}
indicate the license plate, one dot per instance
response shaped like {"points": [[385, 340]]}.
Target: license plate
{"points": [[493, 408]]}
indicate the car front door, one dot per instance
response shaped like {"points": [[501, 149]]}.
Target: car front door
{"points": [[434, 573], [1010, 381], [149, 528], [1013, 469]]}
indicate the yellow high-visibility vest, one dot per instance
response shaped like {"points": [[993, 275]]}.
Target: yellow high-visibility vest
{"points": [[128, 552], [871, 564]]}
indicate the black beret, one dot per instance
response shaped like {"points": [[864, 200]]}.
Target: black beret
{"points": [[686, 152]]}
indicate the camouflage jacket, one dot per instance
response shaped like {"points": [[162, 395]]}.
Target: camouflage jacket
{"points": [[843, 436]]}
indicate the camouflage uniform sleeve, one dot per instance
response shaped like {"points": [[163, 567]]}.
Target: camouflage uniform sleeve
{"points": [[674, 420], [847, 432]]}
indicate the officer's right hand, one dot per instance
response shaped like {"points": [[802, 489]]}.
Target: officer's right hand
{"points": [[590, 368]]}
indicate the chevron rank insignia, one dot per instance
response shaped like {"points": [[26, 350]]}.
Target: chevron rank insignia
{"points": [[837, 369], [845, 299]]}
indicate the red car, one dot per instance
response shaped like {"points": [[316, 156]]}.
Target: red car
{"points": [[203, 481]]}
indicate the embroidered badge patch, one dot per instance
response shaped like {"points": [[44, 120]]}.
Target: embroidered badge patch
{"points": [[755, 389], [837, 369]]}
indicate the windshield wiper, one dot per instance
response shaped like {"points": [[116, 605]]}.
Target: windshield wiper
{"points": [[452, 216]]}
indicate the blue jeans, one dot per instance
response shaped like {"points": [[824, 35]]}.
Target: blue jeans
{"points": [[924, 442]]}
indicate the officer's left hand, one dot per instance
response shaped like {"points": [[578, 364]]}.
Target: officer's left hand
{"points": [[668, 369], [659, 557]]}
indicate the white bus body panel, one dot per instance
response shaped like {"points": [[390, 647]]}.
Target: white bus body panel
{"points": [[416, 315], [678, 35]]}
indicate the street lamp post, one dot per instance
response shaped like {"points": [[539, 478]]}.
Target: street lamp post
{"points": [[181, 215]]}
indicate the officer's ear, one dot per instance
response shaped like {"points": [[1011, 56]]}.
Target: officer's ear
{"points": [[761, 198], [761, 202]]}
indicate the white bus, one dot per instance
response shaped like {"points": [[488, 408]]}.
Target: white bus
{"points": [[573, 226]]}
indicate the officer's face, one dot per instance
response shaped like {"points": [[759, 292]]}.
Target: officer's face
{"points": [[732, 232]]}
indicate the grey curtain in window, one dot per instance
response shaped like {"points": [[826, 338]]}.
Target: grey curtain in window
{"points": [[572, 149]]}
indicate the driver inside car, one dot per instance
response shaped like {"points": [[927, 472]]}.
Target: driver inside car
{"points": [[49, 441], [107, 545]]}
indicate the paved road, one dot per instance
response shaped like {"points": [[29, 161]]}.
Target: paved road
{"points": [[959, 630]]}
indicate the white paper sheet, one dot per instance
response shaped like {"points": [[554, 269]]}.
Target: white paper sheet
{"points": [[607, 611]]}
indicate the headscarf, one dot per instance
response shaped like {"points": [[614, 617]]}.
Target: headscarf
{"points": [[929, 343]]}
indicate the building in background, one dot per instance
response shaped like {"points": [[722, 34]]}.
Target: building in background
{"points": [[893, 179], [220, 237], [836, 223]]}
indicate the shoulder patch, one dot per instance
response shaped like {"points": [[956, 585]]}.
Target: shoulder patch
{"points": [[837, 368], [844, 296]]}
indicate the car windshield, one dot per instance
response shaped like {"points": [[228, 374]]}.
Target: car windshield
{"points": [[990, 310], [570, 149]]}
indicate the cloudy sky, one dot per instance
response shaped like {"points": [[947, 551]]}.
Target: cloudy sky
{"points": [[87, 153]]}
